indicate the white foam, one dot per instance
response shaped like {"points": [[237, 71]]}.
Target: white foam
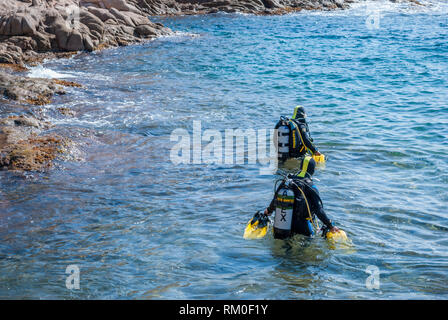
{"points": [[42, 72], [97, 123], [402, 6], [179, 34], [365, 7]]}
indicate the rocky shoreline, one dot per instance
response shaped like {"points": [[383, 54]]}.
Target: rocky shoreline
{"points": [[34, 30]]}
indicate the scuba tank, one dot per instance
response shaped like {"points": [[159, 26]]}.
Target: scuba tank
{"points": [[283, 213], [283, 133]]}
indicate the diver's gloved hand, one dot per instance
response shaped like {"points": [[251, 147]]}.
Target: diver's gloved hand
{"points": [[326, 229], [317, 153], [266, 212], [334, 229]]}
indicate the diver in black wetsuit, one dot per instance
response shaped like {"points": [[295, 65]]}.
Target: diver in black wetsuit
{"points": [[297, 202], [299, 117], [293, 137]]}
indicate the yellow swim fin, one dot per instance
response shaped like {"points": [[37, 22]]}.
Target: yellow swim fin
{"points": [[338, 239], [257, 227], [319, 158]]}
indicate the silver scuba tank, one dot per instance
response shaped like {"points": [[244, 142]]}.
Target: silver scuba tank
{"points": [[283, 141], [283, 213]]}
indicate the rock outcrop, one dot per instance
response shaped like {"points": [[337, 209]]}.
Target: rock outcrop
{"points": [[173, 7], [24, 148], [30, 28]]}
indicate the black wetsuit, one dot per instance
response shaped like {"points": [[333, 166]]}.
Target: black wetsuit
{"points": [[305, 133], [300, 224]]}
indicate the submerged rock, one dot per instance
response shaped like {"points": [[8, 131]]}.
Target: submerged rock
{"points": [[30, 90], [33, 154], [66, 111], [22, 147]]}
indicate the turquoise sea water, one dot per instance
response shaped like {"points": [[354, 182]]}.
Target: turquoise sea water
{"points": [[374, 81]]}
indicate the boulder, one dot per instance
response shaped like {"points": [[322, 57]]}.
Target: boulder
{"points": [[102, 14], [120, 5], [18, 24], [146, 30]]}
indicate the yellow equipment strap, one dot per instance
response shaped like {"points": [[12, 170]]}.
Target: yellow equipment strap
{"points": [[295, 111], [294, 142], [300, 135], [294, 139], [285, 200], [306, 161], [315, 223]]}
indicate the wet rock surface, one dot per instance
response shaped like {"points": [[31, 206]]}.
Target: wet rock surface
{"points": [[30, 28], [28, 90], [25, 141], [23, 147]]}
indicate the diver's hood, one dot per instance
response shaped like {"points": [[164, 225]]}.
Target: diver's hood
{"points": [[299, 114]]}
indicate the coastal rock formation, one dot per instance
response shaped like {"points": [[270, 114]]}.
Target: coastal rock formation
{"points": [[173, 7], [29, 28]]}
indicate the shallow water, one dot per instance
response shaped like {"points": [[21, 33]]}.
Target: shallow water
{"points": [[140, 227]]}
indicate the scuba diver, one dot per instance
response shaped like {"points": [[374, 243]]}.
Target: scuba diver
{"points": [[296, 203], [294, 140]]}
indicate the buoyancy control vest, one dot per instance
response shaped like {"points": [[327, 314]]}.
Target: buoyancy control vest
{"points": [[290, 143]]}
